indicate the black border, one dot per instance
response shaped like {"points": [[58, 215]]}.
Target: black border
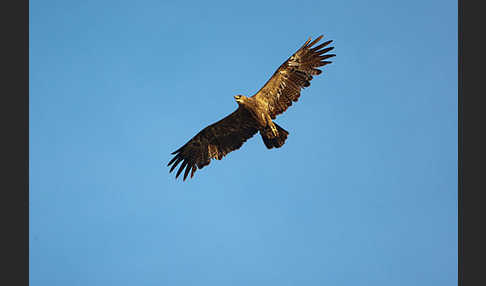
{"points": [[15, 143], [471, 144]]}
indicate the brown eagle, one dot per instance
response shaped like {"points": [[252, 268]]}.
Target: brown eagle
{"points": [[255, 113]]}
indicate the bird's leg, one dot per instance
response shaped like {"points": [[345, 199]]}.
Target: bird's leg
{"points": [[272, 126], [274, 129]]}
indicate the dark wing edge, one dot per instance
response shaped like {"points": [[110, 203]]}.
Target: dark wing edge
{"points": [[294, 74], [214, 142]]}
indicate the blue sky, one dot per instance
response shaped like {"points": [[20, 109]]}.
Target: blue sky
{"points": [[364, 192]]}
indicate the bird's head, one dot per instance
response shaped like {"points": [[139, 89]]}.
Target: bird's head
{"points": [[240, 98]]}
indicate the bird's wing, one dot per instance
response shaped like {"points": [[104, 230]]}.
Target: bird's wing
{"points": [[214, 142], [294, 74]]}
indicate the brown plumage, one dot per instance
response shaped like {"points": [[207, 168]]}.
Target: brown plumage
{"points": [[255, 114]]}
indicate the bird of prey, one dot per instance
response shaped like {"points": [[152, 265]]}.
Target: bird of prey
{"points": [[256, 113]]}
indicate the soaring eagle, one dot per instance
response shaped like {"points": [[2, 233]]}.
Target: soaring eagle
{"points": [[255, 113]]}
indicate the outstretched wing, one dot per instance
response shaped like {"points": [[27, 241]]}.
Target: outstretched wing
{"points": [[214, 142], [294, 74]]}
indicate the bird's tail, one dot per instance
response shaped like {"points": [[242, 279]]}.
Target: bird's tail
{"points": [[271, 140]]}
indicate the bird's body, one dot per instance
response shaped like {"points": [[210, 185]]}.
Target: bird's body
{"points": [[272, 134], [255, 113]]}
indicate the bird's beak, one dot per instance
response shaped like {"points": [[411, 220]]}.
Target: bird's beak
{"points": [[236, 97]]}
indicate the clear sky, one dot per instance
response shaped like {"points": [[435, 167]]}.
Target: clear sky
{"points": [[364, 192]]}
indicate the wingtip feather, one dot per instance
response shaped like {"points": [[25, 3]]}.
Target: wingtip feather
{"points": [[194, 168], [188, 168], [305, 44], [170, 162], [175, 164], [315, 41], [181, 168]]}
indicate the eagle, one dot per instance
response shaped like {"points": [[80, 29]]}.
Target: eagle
{"points": [[256, 113]]}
